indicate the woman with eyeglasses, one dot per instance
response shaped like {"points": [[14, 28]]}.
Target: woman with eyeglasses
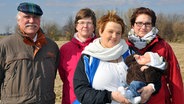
{"points": [[144, 37], [70, 52]]}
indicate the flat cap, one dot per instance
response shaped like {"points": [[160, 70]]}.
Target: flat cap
{"points": [[30, 8]]}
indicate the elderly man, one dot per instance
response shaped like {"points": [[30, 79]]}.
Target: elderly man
{"points": [[28, 61]]}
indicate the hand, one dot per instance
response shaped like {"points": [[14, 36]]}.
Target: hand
{"points": [[146, 92], [143, 68], [116, 96]]}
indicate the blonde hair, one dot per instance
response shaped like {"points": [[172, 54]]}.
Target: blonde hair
{"points": [[111, 16]]}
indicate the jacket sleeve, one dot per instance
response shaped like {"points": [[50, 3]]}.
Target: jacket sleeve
{"points": [[1, 78], [1, 75], [174, 77], [173, 73], [153, 75], [61, 71], [84, 93], [2, 63], [57, 62]]}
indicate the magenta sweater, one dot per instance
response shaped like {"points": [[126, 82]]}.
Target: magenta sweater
{"points": [[69, 55]]}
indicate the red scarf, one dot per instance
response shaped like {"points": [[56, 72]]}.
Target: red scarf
{"points": [[41, 40]]}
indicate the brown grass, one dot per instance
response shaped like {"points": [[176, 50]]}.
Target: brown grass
{"points": [[177, 47]]}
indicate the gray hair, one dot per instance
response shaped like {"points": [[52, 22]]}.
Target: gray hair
{"points": [[18, 15]]}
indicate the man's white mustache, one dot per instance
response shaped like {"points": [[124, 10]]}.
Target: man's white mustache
{"points": [[27, 25]]}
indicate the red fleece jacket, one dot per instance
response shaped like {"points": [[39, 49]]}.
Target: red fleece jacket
{"points": [[69, 56]]}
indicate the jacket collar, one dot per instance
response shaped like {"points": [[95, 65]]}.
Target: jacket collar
{"points": [[82, 44], [142, 51], [41, 39]]}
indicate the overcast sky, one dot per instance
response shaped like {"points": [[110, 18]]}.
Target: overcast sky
{"points": [[58, 11]]}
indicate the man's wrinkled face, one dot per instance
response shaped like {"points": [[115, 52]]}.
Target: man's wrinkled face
{"points": [[28, 23]]}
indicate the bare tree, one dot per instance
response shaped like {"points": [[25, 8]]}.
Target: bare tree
{"points": [[68, 30], [51, 30]]}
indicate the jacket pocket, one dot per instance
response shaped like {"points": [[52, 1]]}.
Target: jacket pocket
{"points": [[15, 75]]}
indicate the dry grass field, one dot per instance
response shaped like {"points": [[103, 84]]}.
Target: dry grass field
{"points": [[177, 47]]}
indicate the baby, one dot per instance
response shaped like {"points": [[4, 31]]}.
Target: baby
{"points": [[142, 70]]}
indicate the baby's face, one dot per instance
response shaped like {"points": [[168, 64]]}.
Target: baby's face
{"points": [[142, 59]]}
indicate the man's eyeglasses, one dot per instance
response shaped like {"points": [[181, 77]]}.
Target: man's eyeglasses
{"points": [[140, 24], [82, 23]]}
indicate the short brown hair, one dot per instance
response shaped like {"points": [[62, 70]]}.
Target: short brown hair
{"points": [[85, 13], [143, 10], [111, 16]]}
